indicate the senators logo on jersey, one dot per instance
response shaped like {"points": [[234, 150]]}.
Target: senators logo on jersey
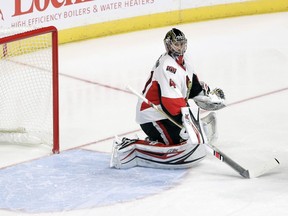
{"points": [[172, 83], [171, 69]]}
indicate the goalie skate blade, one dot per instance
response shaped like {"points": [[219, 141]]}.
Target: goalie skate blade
{"points": [[264, 168]]}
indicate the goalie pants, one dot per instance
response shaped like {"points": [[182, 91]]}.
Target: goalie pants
{"points": [[162, 131]]}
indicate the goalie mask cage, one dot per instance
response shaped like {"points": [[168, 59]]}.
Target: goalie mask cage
{"points": [[29, 86]]}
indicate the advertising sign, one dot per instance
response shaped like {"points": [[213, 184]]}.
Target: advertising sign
{"points": [[73, 13]]}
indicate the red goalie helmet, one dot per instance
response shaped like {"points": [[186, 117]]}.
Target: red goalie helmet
{"points": [[175, 42]]}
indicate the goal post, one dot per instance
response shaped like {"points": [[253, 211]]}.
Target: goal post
{"points": [[29, 107]]}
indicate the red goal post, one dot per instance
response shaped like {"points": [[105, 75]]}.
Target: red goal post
{"points": [[29, 107]]}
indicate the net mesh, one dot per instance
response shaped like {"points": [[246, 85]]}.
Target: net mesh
{"points": [[26, 110]]}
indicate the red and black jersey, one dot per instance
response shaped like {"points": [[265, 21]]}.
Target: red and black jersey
{"points": [[171, 83]]}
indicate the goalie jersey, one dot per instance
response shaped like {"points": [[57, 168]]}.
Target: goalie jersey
{"points": [[171, 83]]}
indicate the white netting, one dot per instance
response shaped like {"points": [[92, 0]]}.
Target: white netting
{"points": [[26, 114]]}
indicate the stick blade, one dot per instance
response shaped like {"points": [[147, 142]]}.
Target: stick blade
{"points": [[263, 168]]}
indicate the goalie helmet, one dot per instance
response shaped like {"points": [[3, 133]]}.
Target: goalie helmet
{"points": [[175, 42]]}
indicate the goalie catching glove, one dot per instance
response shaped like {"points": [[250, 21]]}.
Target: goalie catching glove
{"points": [[210, 100]]}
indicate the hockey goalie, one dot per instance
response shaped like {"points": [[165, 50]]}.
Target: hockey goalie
{"points": [[168, 112]]}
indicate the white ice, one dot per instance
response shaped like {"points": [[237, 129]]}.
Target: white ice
{"points": [[245, 56]]}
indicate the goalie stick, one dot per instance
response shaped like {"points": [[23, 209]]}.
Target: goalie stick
{"points": [[246, 173]]}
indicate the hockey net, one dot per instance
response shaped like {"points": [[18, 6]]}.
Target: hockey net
{"points": [[29, 87]]}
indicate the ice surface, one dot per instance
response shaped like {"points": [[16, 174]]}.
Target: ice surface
{"points": [[78, 179], [245, 56]]}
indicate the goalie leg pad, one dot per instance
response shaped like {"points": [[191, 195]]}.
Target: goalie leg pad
{"points": [[191, 122], [130, 153], [209, 125], [120, 148], [202, 130]]}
